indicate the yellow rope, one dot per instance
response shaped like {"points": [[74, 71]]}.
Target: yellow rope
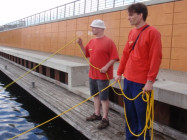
{"points": [[150, 107], [62, 112], [29, 71]]}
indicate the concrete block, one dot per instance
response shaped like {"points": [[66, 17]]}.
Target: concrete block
{"points": [[172, 93], [78, 75]]}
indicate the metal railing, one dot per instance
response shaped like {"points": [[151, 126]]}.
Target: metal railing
{"points": [[79, 7]]}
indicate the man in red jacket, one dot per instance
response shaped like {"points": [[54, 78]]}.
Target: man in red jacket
{"points": [[103, 54], [139, 65]]}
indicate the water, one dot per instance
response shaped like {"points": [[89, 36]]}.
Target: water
{"points": [[19, 112]]}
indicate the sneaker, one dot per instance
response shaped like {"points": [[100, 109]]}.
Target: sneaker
{"points": [[104, 124], [94, 117]]}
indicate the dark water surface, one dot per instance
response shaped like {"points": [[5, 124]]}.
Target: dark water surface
{"points": [[19, 112]]}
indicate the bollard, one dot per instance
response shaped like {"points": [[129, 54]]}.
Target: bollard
{"points": [[33, 84], [5, 67]]}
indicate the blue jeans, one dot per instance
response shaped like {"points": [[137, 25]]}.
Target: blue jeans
{"points": [[135, 110]]}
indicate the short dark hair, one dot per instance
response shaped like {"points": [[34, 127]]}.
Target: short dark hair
{"points": [[138, 8]]}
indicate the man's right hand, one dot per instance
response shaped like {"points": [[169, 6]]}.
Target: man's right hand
{"points": [[79, 41]]}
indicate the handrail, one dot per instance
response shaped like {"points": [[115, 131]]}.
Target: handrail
{"points": [[78, 7]]}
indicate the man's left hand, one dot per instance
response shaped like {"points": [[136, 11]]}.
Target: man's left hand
{"points": [[148, 87]]}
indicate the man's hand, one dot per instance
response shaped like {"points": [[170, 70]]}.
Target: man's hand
{"points": [[107, 66], [118, 78], [79, 41], [148, 87], [104, 69]]}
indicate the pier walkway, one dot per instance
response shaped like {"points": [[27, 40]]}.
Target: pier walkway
{"points": [[59, 100]]}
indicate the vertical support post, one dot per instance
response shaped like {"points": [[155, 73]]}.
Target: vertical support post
{"points": [[91, 6], [50, 15], [64, 10], [84, 6], [44, 17], [97, 5], [57, 14], [39, 18], [73, 8], [79, 9], [69, 11], [35, 19]]}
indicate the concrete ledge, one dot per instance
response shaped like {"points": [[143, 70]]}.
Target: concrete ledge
{"points": [[172, 93], [76, 68]]}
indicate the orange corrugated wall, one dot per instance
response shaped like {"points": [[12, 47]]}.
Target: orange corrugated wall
{"points": [[169, 18]]}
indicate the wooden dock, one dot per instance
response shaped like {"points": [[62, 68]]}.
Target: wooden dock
{"points": [[59, 100]]}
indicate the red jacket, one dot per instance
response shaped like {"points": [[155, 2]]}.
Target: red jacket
{"points": [[143, 62]]}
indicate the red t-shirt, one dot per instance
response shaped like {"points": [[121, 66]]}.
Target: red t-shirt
{"points": [[142, 63], [101, 51]]}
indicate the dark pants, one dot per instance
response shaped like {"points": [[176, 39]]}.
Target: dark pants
{"points": [[98, 85], [135, 110]]}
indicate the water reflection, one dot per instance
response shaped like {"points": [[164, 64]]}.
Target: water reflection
{"points": [[20, 112], [12, 118]]}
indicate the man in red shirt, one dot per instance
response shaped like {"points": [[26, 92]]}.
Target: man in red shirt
{"points": [[139, 65], [103, 54]]}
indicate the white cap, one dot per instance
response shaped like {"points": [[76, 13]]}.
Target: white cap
{"points": [[98, 23]]}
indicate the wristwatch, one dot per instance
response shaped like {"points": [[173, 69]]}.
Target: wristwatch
{"points": [[150, 81]]}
